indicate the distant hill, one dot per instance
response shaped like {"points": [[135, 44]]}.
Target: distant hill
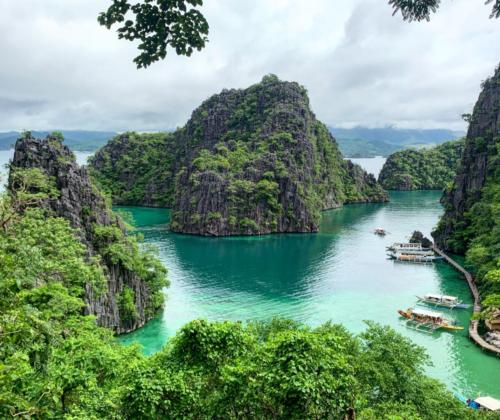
{"points": [[369, 142], [79, 140], [361, 148]]}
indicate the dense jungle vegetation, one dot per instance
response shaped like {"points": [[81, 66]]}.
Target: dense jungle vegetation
{"points": [[478, 234], [422, 169], [471, 222], [137, 169]]}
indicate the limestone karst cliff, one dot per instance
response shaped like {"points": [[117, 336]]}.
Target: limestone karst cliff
{"points": [[478, 165], [249, 161], [471, 222], [134, 278]]}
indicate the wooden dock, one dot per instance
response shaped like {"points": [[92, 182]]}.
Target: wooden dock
{"points": [[473, 325]]}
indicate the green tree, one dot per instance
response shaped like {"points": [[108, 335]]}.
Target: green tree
{"points": [[418, 10], [158, 25], [178, 24]]}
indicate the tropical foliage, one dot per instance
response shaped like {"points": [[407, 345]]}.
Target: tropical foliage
{"points": [[158, 25], [422, 9], [136, 169], [422, 169], [481, 235], [179, 25]]}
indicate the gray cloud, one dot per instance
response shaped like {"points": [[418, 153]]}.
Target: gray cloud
{"points": [[359, 64], [28, 106]]}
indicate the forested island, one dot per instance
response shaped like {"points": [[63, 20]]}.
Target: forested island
{"points": [[248, 162], [422, 169]]}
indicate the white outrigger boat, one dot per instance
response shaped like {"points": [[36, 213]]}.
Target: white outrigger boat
{"points": [[380, 231], [427, 321], [451, 302], [427, 257], [409, 248]]}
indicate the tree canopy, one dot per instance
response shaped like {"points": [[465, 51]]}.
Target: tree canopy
{"points": [[178, 24], [158, 24], [418, 10]]}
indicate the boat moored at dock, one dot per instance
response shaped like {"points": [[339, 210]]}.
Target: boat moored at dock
{"points": [[429, 321], [418, 258], [445, 301], [407, 247]]}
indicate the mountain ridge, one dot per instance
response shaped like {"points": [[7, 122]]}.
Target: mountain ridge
{"points": [[370, 142]]}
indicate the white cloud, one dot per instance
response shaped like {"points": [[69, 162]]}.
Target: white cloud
{"points": [[60, 69]]}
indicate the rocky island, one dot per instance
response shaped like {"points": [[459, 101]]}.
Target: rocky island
{"points": [[422, 169], [248, 162], [130, 293]]}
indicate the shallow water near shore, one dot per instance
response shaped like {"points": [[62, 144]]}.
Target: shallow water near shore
{"points": [[340, 274]]}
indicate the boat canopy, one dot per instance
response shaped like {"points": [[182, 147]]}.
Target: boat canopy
{"points": [[407, 245], [441, 297], [489, 403], [423, 312]]}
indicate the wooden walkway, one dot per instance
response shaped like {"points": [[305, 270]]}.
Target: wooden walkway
{"points": [[473, 325]]}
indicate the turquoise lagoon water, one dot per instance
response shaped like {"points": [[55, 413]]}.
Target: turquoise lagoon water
{"points": [[339, 274]]}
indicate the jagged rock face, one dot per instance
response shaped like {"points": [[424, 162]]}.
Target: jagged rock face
{"points": [[247, 162], [259, 162], [84, 207], [475, 167], [137, 169], [370, 191]]}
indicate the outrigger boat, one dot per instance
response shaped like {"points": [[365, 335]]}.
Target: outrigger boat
{"points": [[429, 321], [419, 258], [451, 302], [409, 248], [380, 231]]}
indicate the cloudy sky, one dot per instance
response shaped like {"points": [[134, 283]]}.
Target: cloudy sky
{"points": [[361, 66]]}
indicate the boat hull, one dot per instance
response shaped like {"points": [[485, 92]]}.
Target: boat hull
{"points": [[414, 258], [443, 304], [446, 326]]}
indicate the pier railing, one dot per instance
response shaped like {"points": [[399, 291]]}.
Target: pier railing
{"points": [[473, 325]]}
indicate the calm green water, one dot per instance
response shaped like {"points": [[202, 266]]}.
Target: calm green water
{"points": [[339, 274]]}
